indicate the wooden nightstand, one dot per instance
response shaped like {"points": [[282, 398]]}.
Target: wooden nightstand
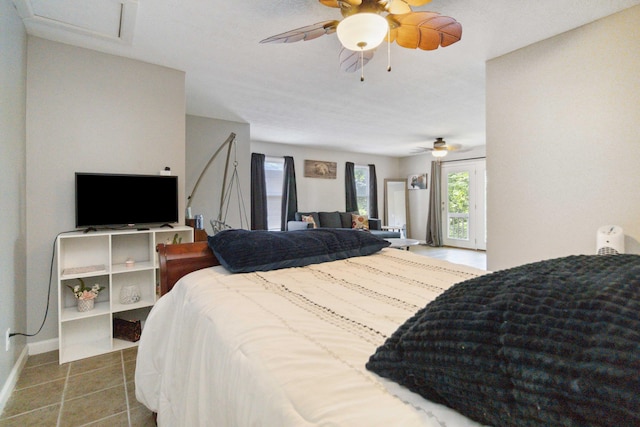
{"points": [[198, 235]]}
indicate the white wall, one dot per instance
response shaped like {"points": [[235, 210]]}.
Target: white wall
{"points": [[315, 194], [13, 66], [92, 112], [204, 136], [562, 143]]}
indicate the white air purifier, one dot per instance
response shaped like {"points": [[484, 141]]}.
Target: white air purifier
{"points": [[610, 240]]}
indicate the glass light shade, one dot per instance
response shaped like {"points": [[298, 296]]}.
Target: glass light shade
{"points": [[439, 153], [362, 31]]}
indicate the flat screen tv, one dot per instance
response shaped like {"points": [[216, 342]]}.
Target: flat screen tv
{"points": [[112, 200]]}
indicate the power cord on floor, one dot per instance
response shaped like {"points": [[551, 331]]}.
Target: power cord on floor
{"points": [[46, 312]]}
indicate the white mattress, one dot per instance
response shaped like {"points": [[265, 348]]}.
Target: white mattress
{"points": [[289, 347]]}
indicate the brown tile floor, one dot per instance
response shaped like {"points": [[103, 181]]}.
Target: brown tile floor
{"points": [[98, 391]]}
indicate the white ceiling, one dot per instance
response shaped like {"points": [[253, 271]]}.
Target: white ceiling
{"points": [[295, 93]]}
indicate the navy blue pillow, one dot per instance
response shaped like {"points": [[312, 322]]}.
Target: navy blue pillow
{"points": [[243, 251]]}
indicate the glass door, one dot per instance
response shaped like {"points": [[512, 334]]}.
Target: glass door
{"points": [[463, 204]]}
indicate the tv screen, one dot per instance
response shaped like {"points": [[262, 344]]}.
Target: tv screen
{"points": [[122, 199]]}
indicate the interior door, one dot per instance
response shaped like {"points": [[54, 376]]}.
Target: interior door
{"points": [[463, 204]]}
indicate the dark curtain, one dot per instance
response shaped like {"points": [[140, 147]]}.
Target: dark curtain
{"points": [[434, 219], [289, 193], [351, 197], [258, 193], [373, 192]]}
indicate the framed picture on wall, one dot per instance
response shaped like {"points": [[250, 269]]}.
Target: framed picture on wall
{"points": [[320, 169], [417, 181]]}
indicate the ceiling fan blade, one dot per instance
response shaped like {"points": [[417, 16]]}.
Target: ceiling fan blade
{"points": [[350, 60], [309, 32], [330, 3], [426, 30], [417, 2], [337, 3]]}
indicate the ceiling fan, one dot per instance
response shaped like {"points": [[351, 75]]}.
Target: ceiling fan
{"points": [[367, 23], [440, 148]]}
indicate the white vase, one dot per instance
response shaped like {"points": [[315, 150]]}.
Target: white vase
{"points": [[85, 304], [129, 294]]}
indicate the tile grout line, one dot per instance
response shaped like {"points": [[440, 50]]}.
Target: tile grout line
{"points": [[126, 391], [27, 412], [64, 392]]}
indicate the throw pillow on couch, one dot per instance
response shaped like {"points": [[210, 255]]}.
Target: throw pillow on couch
{"points": [[359, 222]]}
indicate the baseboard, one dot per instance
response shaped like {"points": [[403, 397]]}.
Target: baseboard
{"points": [[12, 379], [43, 346]]}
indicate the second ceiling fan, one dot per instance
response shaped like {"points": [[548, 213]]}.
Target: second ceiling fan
{"points": [[394, 20], [441, 148]]}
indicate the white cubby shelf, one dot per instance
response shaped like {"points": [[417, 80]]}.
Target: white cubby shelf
{"points": [[101, 257]]}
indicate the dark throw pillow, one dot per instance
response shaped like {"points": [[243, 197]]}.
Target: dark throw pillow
{"points": [[242, 251], [330, 219], [553, 343]]}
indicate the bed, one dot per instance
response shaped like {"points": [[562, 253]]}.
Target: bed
{"points": [[339, 339]]}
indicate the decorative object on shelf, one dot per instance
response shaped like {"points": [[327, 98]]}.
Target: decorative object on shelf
{"points": [[320, 169], [130, 262], [84, 295], [176, 239], [129, 330], [129, 294]]}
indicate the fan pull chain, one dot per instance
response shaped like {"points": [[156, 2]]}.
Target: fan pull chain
{"points": [[389, 49], [361, 65]]}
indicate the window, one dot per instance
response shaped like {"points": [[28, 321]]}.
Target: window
{"points": [[274, 175], [362, 188]]}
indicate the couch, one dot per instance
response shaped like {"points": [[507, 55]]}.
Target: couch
{"points": [[338, 220]]}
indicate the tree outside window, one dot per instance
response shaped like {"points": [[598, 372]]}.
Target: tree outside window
{"points": [[274, 175], [362, 188], [458, 190]]}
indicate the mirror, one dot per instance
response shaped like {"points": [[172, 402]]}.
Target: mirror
{"points": [[396, 205]]}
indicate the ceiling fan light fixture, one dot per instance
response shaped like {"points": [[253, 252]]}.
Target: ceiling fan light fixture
{"points": [[362, 31], [439, 153]]}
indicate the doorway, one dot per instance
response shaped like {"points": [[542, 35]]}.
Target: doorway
{"points": [[464, 194]]}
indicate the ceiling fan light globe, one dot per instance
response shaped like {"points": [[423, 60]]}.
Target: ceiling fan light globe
{"points": [[439, 153], [362, 31]]}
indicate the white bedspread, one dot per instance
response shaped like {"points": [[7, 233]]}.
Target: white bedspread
{"points": [[289, 347]]}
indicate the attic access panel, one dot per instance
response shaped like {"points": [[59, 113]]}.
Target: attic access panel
{"points": [[110, 19]]}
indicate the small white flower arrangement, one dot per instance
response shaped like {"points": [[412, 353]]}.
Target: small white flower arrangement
{"points": [[81, 292]]}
